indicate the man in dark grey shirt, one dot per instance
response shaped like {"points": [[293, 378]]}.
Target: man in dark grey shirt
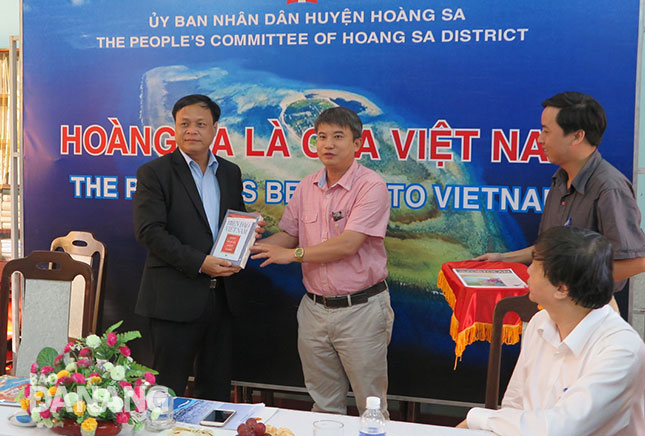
{"points": [[586, 191]]}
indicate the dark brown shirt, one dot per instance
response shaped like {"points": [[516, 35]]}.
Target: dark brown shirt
{"points": [[599, 199]]}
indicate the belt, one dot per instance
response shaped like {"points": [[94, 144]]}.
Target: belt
{"points": [[349, 299]]}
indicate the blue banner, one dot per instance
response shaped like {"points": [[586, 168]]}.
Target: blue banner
{"points": [[449, 93]]}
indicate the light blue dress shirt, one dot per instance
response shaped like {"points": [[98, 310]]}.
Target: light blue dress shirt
{"points": [[208, 189]]}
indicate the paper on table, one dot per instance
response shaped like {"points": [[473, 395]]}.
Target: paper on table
{"points": [[193, 411], [265, 414], [187, 430], [489, 278]]}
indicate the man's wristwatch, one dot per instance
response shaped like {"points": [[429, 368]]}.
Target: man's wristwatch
{"points": [[299, 253]]}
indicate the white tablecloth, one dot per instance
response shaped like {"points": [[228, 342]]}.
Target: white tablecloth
{"points": [[299, 422]]}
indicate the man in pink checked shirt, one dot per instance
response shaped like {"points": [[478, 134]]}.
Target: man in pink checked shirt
{"points": [[335, 226]]}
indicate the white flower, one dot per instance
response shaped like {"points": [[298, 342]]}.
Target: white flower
{"points": [[101, 395], [51, 379], [117, 373], [71, 367], [33, 379], [93, 341], [94, 409], [108, 366], [48, 423], [115, 404], [70, 399], [35, 414]]}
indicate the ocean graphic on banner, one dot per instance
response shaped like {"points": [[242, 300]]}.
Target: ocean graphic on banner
{"points": [[419, 239]]}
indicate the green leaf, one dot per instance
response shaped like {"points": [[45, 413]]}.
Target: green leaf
{"points": [[112, 328], [46, 357], [125, 337], [136, 373], [140, 367], [104, 352]]}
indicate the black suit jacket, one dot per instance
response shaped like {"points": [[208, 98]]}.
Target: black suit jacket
{"points": [[170, 223]]}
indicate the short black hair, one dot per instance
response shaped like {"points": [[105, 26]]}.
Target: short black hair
{"points": [[342, 117], [582, 260], [197, 99], [579, 111]]}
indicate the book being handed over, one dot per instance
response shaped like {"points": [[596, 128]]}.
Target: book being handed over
{"points": [[235, 237]]}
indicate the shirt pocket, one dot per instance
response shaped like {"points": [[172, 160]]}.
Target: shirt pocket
{"points": [[311, 228], [338, 220]]}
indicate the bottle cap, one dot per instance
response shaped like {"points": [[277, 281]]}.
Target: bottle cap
{"points": [[373, 403]]}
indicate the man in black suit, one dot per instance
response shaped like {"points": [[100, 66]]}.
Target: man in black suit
{"points": [[180, 201]]}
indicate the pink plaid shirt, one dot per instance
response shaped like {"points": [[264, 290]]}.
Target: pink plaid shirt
{"points": [[360, 202]]}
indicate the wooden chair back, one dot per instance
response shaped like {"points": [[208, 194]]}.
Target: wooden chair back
{"points": [[84, 247], [44, 304], [525, 308]]}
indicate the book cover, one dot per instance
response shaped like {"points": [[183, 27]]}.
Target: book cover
{"points": [[235, 237]]}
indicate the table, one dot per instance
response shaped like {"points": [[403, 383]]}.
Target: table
{"points": [[472, 308], [298, 421]]}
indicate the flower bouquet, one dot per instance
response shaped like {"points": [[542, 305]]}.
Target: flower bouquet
{"points": [[94, 381]]}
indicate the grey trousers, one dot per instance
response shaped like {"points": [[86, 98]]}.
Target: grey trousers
{"points": [[344, 346]]}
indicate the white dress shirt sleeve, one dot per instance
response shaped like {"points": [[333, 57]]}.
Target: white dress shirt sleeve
{"points": [[598, 403], [477, 417]]}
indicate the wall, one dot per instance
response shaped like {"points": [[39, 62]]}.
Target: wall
{"points": [[638, 284], [9, 21]]}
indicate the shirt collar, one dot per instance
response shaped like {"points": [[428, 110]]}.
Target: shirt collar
{"points": [[577, 339], [344, 182], [580, 181], [211, 161]]}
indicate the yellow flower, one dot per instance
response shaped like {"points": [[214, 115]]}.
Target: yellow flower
{"points": [[62, 373], [79, 408], [52, 391], [95, 380], [89, 424], [39, 395], [24, 403]]}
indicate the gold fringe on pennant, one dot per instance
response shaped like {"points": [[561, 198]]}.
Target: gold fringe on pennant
{"points": [[480, 331], [448, 294], [511, 334]]}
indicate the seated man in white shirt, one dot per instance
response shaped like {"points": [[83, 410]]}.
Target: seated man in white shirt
{"points": [[581, 370]]}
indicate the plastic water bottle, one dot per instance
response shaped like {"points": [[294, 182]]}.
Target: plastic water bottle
{"points": [[372, 420]]}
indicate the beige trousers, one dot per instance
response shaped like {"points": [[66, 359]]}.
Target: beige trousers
{"points": [[344, 346]]}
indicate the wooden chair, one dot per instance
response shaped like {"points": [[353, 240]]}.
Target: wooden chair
{"points": [[525, 308], [84, 247], [44, 304]]}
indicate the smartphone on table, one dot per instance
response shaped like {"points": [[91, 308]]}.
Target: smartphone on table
{"points": [[217, 417]]}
